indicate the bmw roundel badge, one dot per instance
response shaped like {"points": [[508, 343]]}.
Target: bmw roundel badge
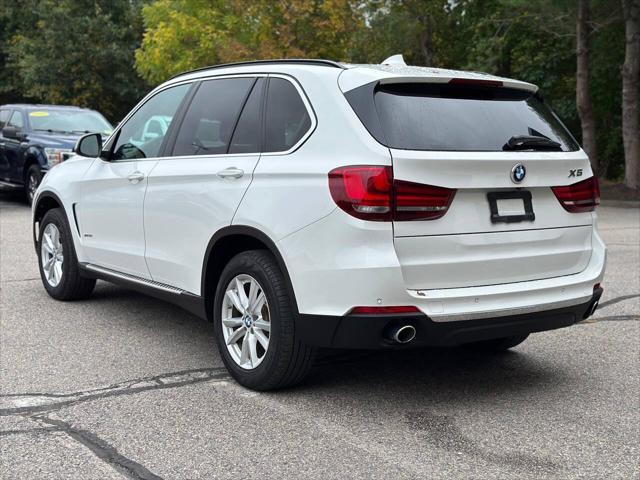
{"points": [[518, 173]]}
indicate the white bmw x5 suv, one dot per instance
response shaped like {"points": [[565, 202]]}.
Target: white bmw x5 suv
{"points": [[306, 203]]}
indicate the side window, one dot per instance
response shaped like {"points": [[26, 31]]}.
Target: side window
{"points": [[209, 122], [4, 117], [287, 119], [142, 135], [17, 120], [247, 135]]}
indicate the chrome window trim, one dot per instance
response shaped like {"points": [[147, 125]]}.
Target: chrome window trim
{"points": [[157, 90]]}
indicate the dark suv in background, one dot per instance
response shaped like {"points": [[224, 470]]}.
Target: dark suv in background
{"points": [[34, 138]]}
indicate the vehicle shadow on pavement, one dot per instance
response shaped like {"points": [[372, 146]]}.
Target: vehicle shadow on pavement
{"points": [[13, 197], [455, 371]]}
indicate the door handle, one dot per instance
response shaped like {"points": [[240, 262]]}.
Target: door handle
{"points": [[231, 172], [136, 177]]}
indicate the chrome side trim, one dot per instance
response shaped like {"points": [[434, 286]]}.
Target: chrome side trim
{"points": [[135, 279], [12, 186], [506, 312]]}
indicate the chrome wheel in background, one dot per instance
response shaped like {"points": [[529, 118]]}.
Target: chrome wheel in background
{"points": [[52, 254], [32, 185], [246, 321]]}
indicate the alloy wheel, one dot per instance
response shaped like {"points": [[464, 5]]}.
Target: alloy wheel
{"points": [[52, 254], [246, 321], [32, 185]]}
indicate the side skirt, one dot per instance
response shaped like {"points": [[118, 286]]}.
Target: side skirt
{"points": [[192, 303]]}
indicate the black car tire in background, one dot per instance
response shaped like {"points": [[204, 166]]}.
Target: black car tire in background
{"points": [[31, 182], [71, 285]]}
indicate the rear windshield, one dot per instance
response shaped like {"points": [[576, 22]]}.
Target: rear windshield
{"points": [[422, 116]]}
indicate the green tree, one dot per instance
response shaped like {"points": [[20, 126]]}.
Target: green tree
{"points": [[426, 32], [15, 16], [79, 52], [185, 34]]}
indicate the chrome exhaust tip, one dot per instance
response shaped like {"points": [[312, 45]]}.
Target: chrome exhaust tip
{"points": [[592, 309], [402, 334]]}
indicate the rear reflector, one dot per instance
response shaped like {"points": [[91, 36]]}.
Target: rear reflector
{"points": [[580, 197], [382, 310], [369, 192]]}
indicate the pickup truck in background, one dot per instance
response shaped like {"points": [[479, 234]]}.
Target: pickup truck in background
{"points": [[34, 138]]}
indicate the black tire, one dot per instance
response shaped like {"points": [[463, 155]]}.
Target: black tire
{"points": [[31, 182], [72, 285], [287, 360], [496, 345]]}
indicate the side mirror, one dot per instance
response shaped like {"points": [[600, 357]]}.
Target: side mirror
{"points": [[13, 133], [89, 145]]}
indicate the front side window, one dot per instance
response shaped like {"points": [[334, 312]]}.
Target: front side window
{"points": [[16, 120], [211, 118], [4, 117], [287, 119], [143, 133]]}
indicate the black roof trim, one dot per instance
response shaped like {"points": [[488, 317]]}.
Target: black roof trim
{"points": [[299, 61]]}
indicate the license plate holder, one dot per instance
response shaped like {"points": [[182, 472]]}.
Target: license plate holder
{"points": [[497, 217]]}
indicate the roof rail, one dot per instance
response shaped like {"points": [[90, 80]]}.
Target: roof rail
{"points": [[300, 61]]}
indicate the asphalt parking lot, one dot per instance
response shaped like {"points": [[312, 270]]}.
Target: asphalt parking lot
{"points": [[125, 386]]}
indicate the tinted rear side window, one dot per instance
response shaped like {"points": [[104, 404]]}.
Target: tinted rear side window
{"points": [[211, 117], [287, 119], [248, 134], [419, 116]]}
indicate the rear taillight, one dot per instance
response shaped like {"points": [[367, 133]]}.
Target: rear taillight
{"points": [[415, 201], [363, 191], [369, 192], [580, 197], [477, 82]]}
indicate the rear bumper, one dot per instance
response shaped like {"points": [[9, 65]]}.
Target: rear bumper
{"points": [[339, 262], [368, 332]]}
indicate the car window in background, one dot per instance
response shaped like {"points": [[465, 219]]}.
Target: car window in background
{"points": [[4, 117], [142, 134], [17, 120], [68, 121], [287, 119], [208, 124], [422, 116], [246, 137]]}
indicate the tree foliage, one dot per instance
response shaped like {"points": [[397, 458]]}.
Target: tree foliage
{"points": [[531, 41], [185, 34], [77, 52], [102, 53]]}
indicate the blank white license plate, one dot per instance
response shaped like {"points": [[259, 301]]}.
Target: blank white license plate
{"points": [[510, 206]]}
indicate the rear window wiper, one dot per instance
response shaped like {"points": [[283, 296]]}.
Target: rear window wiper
{"points": [[531, 142]]}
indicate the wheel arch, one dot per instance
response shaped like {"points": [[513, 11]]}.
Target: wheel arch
{"points": [[31, 157], [223, 246], [46, 201]]}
